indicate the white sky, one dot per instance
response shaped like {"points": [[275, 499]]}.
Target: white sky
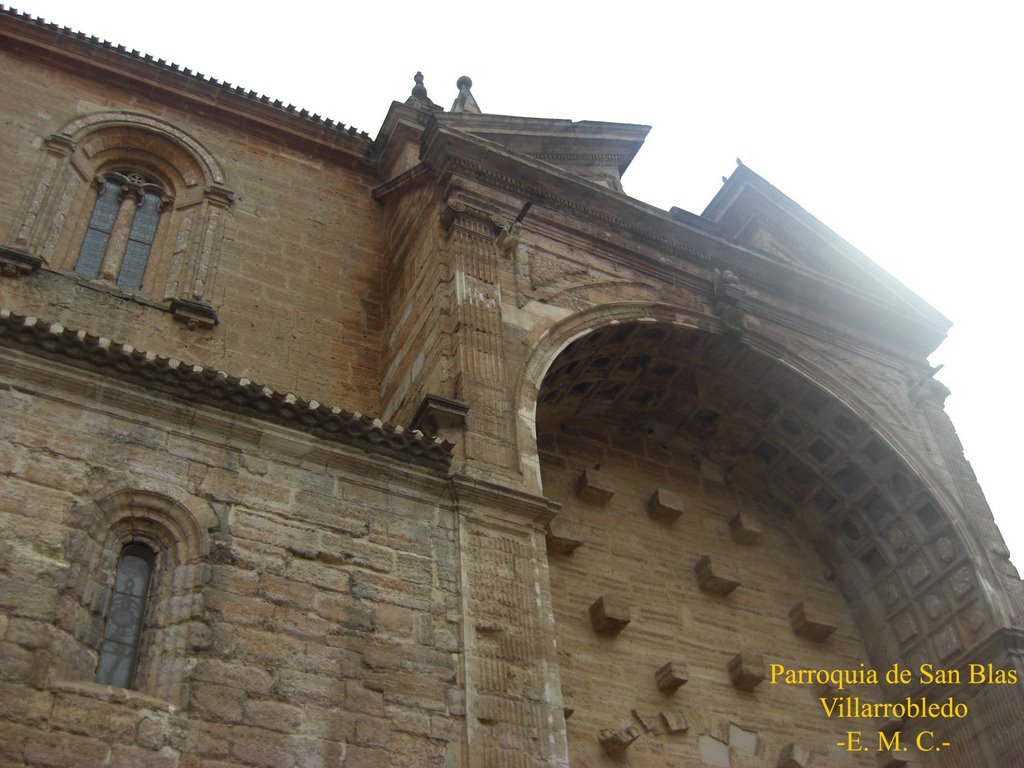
{"points": [[896, 123]]}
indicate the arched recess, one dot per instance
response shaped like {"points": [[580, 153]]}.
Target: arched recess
{"points": [[69, 177], [710, 416], [180, 539]]}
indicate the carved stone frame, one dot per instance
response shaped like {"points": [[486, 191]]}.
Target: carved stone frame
{"points": [[185, 255]]}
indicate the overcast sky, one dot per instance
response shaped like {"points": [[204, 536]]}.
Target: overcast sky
{"points": [[897, 124]]}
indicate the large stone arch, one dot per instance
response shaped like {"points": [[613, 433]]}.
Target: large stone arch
{"points": [[892, 539]]}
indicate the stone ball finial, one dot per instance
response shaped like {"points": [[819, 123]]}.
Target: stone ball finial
{"points": [[464, 82], [419, 90]]}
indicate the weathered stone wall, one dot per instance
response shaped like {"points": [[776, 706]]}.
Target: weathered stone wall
{"points": [[319, 601], [416, 281], [647, 566], [297, 285], [323, 622]]}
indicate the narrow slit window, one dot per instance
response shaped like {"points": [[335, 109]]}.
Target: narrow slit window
{"points": [[140, 242], [123, 633], [101, 224]]}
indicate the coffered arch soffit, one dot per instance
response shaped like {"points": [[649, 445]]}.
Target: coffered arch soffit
{"points": [[786, 432]]}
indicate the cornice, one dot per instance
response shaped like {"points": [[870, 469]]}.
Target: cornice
{"points": [[453, 152], [477, 497], [207, 386], [79, 51]]}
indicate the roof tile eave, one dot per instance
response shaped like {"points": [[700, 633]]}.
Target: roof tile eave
{"points": [[207, 386], [175, 70]]}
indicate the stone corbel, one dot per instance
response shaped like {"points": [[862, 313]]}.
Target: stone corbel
{"points": [[616, 741], [509, 236], [436, 413], [15, 262], [219, 195], [194, 314], [727, 293], [59, 144], [930, 390], [508, 240]]}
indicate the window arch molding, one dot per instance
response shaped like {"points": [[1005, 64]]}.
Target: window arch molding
{"points": [[183, 259], [179, 538]]}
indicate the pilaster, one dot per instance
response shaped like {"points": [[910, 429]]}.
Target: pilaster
{"points": [[514, 708]]}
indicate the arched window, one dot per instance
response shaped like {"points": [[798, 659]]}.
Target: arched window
{"points": [[122, 227], [129, 199], [125, 617], [133, 604]]}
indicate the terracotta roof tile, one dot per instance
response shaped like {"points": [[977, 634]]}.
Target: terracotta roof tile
{"points": [[198, 385], [236, 90]]}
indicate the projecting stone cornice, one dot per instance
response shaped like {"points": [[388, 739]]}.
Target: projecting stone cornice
{"points": [[206, 386], [80, 51], [674, 244]]}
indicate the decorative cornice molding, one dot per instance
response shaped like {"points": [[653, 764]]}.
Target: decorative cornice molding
{"points": [[456, 206], [478, 497], [207, 386], [91, 51]]}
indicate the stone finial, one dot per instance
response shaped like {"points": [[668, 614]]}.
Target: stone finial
{"points": [[419, 91], [615, 742], [418, 97], [608, 615], [746, 670], [465, 102]]}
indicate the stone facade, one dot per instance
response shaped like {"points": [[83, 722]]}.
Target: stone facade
{"points": [[648, 461]]}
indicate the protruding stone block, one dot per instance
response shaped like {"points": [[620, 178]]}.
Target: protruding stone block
{"points": [[793, 756], [746, 670], [672, 675], [710, 470], [674, 721], [616, 742], [558, 542], [665, 506], [806, 626], [744, 529], [649, 721], [568, 706], [436, 413], [14, 262], [709, 582], [609, 615], [195, 314], [593, 488]]}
